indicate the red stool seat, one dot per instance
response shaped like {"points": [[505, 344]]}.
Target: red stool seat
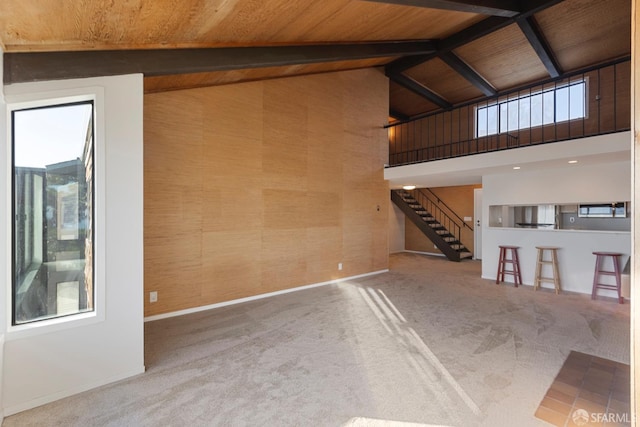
{"points": [[513, 260], [600, 271]]}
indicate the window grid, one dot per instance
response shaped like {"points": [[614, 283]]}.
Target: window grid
{"points": [[546, 107]]}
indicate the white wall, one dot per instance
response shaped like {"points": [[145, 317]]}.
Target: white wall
{"points": [[467, 170], [4, 258], [396, 229], [52, 363], [565, 185]]}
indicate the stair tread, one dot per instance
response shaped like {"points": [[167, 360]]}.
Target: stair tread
{"points": [[456, 250]]}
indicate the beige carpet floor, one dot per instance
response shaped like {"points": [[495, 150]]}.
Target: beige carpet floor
{"points": [[429, 343]]}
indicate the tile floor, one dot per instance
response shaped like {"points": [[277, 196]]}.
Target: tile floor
{"points": [[588, 391]]}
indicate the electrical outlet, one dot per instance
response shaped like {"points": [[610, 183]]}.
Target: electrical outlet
{"points": [[153, 296], [339, 266]]}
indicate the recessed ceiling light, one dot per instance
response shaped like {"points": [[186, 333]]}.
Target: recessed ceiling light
{"points": [[573, 162], [516, 168], [409, 187]]}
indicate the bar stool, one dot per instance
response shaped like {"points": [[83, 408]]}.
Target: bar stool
{"points": [[515, 265], [600, 259], [554, 268]]}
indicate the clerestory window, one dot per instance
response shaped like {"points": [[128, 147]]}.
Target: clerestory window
{"points": [[545, 107]]}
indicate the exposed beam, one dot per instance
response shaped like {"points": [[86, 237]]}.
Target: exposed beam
{"points": [[398, 115], [469, 34], [526, 87], [532, 31], [37, 66], [462, 68], [474, 32], [415, 87], [507, 8]]}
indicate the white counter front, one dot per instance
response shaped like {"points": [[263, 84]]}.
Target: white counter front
{"points": [[575, 254]]}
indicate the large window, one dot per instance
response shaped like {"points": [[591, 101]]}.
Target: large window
{"points": [[53, 232], [546, 107]]}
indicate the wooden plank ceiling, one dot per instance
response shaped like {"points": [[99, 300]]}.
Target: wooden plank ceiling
{"points": [[442, 52]]}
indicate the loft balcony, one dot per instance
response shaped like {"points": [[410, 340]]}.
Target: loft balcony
{"points": [[590, 102]]}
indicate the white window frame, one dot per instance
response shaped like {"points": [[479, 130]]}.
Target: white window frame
{"points": [[507, 99], [15, 102]]}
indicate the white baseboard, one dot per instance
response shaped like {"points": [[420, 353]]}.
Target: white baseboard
{"points": [[257, 297], [507, 280], [424, 253], [10, 410]]}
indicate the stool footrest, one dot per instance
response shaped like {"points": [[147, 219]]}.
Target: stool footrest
{"points": [[607, 273], [605, 286]]}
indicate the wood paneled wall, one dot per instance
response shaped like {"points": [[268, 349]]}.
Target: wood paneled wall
{"points": [[460, 199], [263, 186]]}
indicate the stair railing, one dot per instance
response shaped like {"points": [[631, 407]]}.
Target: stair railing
{"points": [[433, 208], [441, 204]]}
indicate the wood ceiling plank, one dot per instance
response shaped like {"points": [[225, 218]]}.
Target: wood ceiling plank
{"points": [[45, 25], [580, 32], [328, 21], [419, 89], [599, 31], [462, 68], [444, 80], [406, 102], [493, 58], [506, 8], [472, 33]]}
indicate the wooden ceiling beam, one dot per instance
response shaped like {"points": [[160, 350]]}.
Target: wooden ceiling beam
{"points": [[469, 34], [462, 68], [37, 66], [506, 8], [417, 88], [398, 115], [532, 31]]}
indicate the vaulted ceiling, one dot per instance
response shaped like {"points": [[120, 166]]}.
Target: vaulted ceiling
{"points": [[437, 53]]}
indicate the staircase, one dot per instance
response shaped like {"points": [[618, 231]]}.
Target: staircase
{"points": [[442, 229]]}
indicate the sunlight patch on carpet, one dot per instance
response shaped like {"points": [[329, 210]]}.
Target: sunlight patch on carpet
{"points": [[428, 366], [371, 422]]}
